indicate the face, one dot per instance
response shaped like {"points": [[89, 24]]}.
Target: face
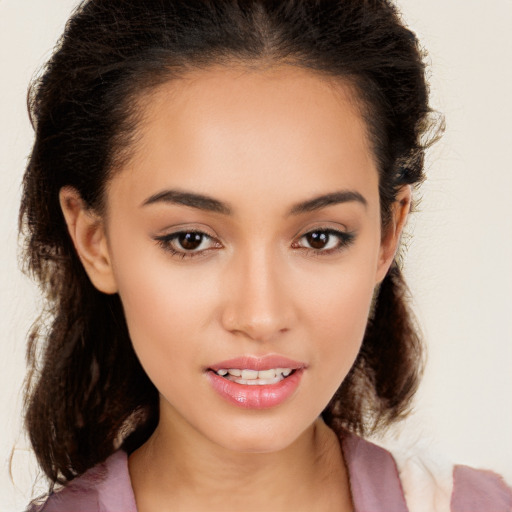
{"points": [[244, 239]]}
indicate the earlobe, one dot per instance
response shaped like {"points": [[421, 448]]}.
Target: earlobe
{"points": [[88, 234], [393, 231]]}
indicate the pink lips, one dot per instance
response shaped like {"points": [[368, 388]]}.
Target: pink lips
{"points": [[256, 397]]}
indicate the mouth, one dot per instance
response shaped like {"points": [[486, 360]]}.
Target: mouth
{"points": [[254, 377], [256, 382]]}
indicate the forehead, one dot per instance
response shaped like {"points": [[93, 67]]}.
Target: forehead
{"points": [[241, 132]]}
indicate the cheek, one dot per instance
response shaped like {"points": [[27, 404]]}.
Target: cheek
{"points": [[339, 296], [161, 304], [342, 323], [337, 306], [165, 314], [162, 308], [341, 307]]}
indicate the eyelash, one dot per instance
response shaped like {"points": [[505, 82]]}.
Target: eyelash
{"points": [[166, 242], [345, 239]]}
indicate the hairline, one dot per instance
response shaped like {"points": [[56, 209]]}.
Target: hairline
{"points": [[137, 100]]}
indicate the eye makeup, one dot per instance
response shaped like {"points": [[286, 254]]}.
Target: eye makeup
{"points": [[193, 243], [188, 243], [324, 241]]}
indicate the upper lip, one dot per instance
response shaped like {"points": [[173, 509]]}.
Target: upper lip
{"points": [[258, 363]]}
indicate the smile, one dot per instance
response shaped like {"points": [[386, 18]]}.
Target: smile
{"points": [[255, 377], [256, 382]]}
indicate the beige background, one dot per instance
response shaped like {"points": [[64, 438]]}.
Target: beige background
{"points": [[459, 263]]}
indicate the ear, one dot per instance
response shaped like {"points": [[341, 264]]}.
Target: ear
{"points": [[88, 234], [393, 231]]}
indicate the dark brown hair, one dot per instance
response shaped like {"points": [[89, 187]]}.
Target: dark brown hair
{"points": [[87, 394]]}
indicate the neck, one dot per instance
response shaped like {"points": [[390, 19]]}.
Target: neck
{"points": [[189, 473]]}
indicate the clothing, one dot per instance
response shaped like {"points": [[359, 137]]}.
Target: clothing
{"points": [[375, 483]]}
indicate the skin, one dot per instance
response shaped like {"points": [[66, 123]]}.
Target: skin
{"points": [[261, 142]]}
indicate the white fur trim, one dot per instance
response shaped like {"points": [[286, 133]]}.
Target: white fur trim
{"points": [[427, 484], [426, 478]]}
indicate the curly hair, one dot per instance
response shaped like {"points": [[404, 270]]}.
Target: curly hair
{"points": [[87, 393]]}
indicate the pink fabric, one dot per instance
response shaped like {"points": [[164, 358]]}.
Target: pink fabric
{"points": [[477, 490], [374, 483], [373, 474], [104, 488]]}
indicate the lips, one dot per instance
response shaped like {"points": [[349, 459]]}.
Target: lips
{"points": [[256, 382], [258, 363]]}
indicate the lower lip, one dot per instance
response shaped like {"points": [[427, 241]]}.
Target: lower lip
{"points": [[255, 397]]}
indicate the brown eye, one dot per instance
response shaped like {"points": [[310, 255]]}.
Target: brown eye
{"points": [[325, 241], [188, 244], [190, 241], [318, 239]]}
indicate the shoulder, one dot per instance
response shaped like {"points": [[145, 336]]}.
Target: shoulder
{"points": [[373, 475], [418, 483], [104, 488], [432, 484], [479, 490]]}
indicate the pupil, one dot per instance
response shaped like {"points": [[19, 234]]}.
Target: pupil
{"points": [[190, 241], [317, 240]]}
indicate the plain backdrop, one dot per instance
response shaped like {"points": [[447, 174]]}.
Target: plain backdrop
{"points": [[459, 261]]}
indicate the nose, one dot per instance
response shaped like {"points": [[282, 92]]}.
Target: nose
{"points": [[259, 299]]}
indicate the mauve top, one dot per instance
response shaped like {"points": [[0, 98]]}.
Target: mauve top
{"points": [[374, 483]]}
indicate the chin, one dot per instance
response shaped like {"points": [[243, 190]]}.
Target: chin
{"points": [[260, 437]]}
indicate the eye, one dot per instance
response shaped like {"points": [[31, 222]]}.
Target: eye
{"points": [[187, 244], [324, 241]]}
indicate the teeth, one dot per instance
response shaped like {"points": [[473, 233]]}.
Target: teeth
{"points": [[254, 377], [258, 382], [266, 374]]}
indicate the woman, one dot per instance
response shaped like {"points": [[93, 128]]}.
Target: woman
{"points": [[213, 207]]}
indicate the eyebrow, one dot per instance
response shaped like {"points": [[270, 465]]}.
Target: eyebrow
{"points": [[199, 201], [207, 203], [342, 196]]}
